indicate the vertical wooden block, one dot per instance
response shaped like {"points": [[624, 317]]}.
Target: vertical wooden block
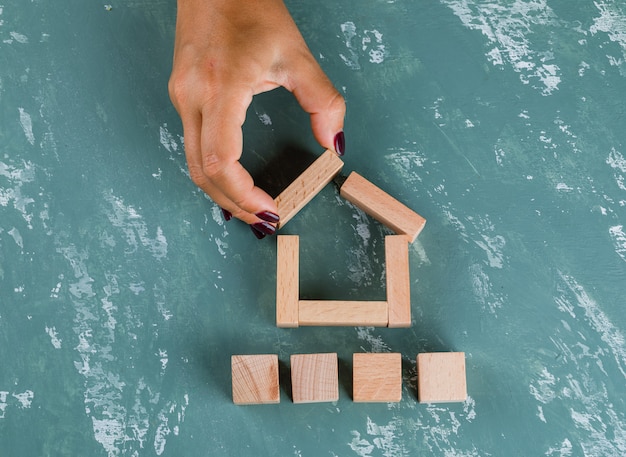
{"points": [[307, 185], [287, 280], [398, 281], [314, 378], [382, 206], [377, 377], [343, 313], [255, 379], [441, 377]]}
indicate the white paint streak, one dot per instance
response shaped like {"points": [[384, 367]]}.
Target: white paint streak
{"points": [[19, 37], [127, 218], [507, 27], [407, 164], [371, 46], [619, 240], [612, 21], [265, 119], [608, 332], [54, 337], [27, 125]]}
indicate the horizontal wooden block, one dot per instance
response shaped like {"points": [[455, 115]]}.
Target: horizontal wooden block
{"points": [[255, 379], [307, 185], [287, 280], [441, 377], [398, 280], [314, 378], [377, 377], [382, 206], [343, 313]]}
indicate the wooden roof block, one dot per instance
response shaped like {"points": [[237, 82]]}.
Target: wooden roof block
{"points": [[255, 379], [377, 377], [382, 206], [307, 185], [441, 377], [314, 378]]}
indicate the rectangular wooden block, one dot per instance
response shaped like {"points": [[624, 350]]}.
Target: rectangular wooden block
{"points": [[377, 377], [343, 313], [441, 377], [314, 378], [287, 280], [382, 206], [307, 185], [398, 281], [255, 379]]}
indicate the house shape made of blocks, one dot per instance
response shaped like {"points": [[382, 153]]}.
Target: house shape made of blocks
{"points": [[395, 311]]}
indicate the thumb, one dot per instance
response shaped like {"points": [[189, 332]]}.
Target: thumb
{"points": [[318, 97]]}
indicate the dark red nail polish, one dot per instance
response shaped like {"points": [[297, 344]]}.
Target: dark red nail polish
{"points": [[268, 216], [265, 228], [340, 143], [259, 235], [227, 214]]}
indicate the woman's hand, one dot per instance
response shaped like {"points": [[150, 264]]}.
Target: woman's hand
{"points": [[226, 51]]}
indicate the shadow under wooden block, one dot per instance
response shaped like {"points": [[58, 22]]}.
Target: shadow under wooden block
{"points": [[343, 313], [398, 281], [377, 377], [287, 280], [307, 185], [441, 377], [255, 379], [382, 206], [314, 378]]}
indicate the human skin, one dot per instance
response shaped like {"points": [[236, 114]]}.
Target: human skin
{"points": [[225, 52]]}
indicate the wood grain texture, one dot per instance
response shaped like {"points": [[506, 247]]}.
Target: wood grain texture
{"points": [[307, 185], [382, 206], [441, 377], [343, 313], [314, 378], [287, 280], [377, 377], [255, 379], [398, 281]]}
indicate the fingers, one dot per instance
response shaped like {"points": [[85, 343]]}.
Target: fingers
{"points": [[318, 97], [213, 145]]}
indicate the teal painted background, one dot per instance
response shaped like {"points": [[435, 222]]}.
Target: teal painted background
{"points": [[123, 294]]}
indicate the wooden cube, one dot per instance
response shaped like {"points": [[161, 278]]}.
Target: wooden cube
{"points": [[307, 185], [382, 206], [398, 281], [314, 378], [441, 377], [255, 379], [287, 280], [377, 377]]}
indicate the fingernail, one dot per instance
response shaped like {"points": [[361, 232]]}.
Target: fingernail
{"points": [[268, 216], [257, 233], [227, 214], [264, 227], [340, 143]]}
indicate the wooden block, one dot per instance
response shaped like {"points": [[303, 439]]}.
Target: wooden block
{"points": [[441, 377], [377, 377], [314, 378], [343, 313], [307, 185], [255, 379], [287, 280], [382, 206], [398, 280]]}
